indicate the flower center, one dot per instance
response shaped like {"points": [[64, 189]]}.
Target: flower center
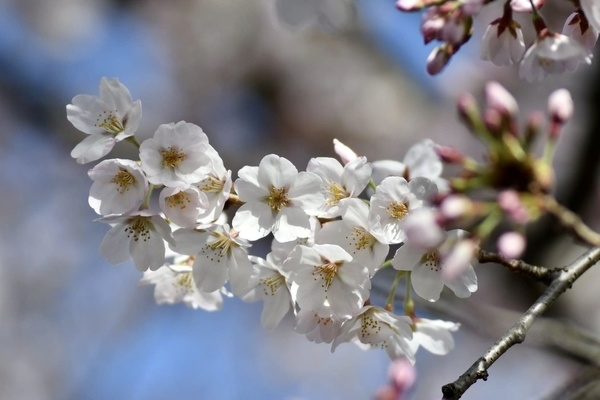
{"points": [[212, 185], [223, 243], [139, 227], [172, 157], [336, 193], [272, 284], [180, 200], [277, 198], [321, 320], [431, 260], [397, 210], [185, 281], [327, 272], [369, 326], [545, 62], [361, 239], [110, 122], [124, 180]]}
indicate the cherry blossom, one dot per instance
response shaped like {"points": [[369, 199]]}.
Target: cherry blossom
{"points": [[216, 186], [502, 43], [591, 9], [175, 284], [316, 328], [183, 204], [345, 153], [340, 183], [577, 27], [552, 54], [108, 119], [219, 257], [176, 154], [278, 199], [524, 6], [119, 186], [426, 265], [433, 335], [393, 200], [329, 280], [353, 235], [377, 327], [269, 283], [138, 235]]}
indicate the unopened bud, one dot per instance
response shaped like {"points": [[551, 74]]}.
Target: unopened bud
{"points": [[560, 106], [410, 5], [534, 126], [468, 110], [437, 60], [499, 99], [510, 202], [455, 206], [524, 6], [511, 245], [493, 121], [345, 153], [450, 155], [471, 7]]}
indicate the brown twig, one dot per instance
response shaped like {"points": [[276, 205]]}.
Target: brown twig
{"points": [[542, 274], [563, 281], [571, 221]]}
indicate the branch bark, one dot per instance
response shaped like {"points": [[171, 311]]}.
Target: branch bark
{"points": [[563, 281], [572, 222], [542, 274]]}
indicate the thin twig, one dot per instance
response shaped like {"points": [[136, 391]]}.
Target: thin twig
{"points": [[542, 274], [516, 335], [572, 222]]}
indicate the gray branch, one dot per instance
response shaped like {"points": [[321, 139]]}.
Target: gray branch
{"points": [[516, 335]]}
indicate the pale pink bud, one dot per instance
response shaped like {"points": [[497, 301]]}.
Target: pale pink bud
{"points": [[471, 7], [510, 202], [432, 24], [499, 99], [345, 153], [560, 106], [450, 155], [455, 206], [453, 32], [402, 375], [437, 60], [458, 259], [409, 5], [511, 245]]}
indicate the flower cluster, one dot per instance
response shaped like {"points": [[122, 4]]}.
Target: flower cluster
{"points": [[450, 22], [332, 227]]}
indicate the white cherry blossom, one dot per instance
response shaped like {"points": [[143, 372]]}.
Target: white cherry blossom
{"points": [[108, 119], [216, 186], [426, 266], [577, 27], [353, 235], [176, 154], [377, 327], [316, 328], [340, 182], [183, 204], [434, 335], [119, 186], [329, 281], [269, 284], [175, 284], [524, 6], [393, 200], [138, 235], [502, 44], [281, 250], [278, 199], [591, 9], [552, 54], [219, 257], [421, 160]]}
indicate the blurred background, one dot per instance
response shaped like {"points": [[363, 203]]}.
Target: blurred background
{"points": [[259, 76]]}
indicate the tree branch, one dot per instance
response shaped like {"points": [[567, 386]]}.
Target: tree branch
{"points": [[563, 281], [572, 222], [542, 274]]}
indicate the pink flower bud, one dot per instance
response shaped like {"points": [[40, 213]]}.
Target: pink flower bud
{"points": [[471, 7], [345, 153], [500, 100], [455, 206], [510, 202], [450, 155], [560, 106], [511, 245], [437, 60], [409, 5]]}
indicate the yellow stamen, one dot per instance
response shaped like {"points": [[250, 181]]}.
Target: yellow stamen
{"points": [[277, 198], [109, 121], [336, 193], [397, 210], [180, 200], [272, 284], [172, 157], [124, 180]]}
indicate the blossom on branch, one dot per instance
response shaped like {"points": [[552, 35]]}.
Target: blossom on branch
{"points": [[108, 119]]}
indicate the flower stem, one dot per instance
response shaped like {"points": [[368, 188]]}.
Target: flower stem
{"points": [[133, 140], [409, 305], [372, 184], [389, 304], [386, 264], [145, 204]]}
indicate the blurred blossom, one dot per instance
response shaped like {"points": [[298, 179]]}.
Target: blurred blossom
{"points": [[330, 15]]}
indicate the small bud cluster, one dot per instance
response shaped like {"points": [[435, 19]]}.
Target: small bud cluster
{"points": [[451, 21]]}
